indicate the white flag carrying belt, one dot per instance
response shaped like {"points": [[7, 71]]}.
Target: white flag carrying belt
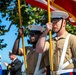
{"points": [[64, 51], [37, 71], [61, 65]]}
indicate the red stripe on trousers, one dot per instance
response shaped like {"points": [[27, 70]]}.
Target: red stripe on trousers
{"points": [[71, 73]]}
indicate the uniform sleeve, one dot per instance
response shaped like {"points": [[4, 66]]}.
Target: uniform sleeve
{"points": [[73, 44], [46, 58], [46, 46], [9, 66], [16, 66], [27, 48]]}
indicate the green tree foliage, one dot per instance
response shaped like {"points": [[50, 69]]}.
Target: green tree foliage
{"points": [[30, 15], [2, 45], [70, 28]]}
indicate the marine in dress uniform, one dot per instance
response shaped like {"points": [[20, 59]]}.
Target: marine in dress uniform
{"points": [[15, 66], [64, 45], [36, 62]]}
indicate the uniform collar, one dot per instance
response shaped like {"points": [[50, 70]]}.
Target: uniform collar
{"points": [[62, 37], [14, 59]]}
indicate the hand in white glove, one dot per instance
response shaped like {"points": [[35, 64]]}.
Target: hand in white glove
{"points": [[5, 63]]}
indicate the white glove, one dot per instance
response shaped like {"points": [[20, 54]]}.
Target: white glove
{"points": [[5, 63]]}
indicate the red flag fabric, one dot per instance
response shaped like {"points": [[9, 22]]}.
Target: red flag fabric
{"points": [[68, 6], [38, 3]]}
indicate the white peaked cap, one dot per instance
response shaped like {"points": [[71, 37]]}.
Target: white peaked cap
{"points": [[59, 14], [36, 27], [10, 52]]}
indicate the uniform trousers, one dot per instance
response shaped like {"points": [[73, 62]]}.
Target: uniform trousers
{"points": [[69, 73]]}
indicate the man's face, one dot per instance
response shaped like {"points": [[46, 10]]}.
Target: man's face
{"points": [[34, 36], [56, 24], [11, 56]]}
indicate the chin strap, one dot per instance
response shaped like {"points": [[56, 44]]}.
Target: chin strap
{"points": [[37, 71], [61, 26]]}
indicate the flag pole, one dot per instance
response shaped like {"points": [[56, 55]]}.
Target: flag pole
{"points": [[50, 35], [24, 52]]}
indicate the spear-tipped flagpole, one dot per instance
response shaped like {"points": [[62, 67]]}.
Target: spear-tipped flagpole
{"points": [[24, 52], [50, 35]]}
